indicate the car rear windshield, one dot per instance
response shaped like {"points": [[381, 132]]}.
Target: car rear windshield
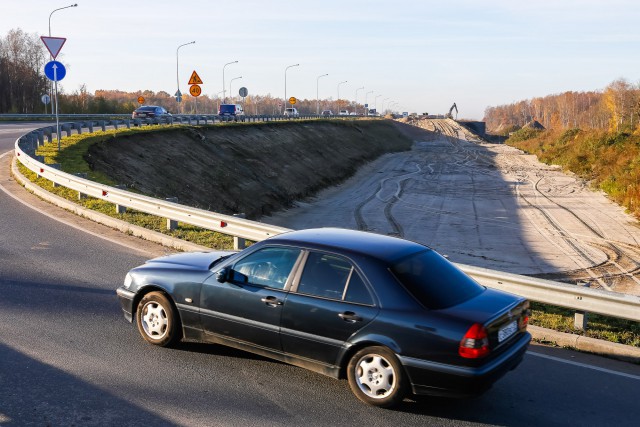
{"points": [[227, 108], [145, 109], [434, 281]]}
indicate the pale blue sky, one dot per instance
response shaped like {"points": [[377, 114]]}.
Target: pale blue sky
{"points": [[423, 54]]}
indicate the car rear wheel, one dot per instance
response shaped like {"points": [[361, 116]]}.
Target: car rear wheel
{"points": [[157, 320], [376, 377]]}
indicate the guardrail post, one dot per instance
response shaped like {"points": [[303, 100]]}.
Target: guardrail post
{"points": [[82, 175], [128, 123], [239, 242], [172, 224], [66, 127], [580, 317], [40, 138], [119, 208], [78, 127]]}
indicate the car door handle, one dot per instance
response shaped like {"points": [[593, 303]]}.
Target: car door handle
{"points": [[271, 301], [350, 316]]}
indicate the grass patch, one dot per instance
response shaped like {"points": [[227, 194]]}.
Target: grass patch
{"points": [[601, 327]]}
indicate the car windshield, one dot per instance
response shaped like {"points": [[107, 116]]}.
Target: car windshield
{"points": [[225, 108], [434, 281], [146, 109]]}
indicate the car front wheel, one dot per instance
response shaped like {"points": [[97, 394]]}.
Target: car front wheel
{"points": [[376, 377], [157, 320]]}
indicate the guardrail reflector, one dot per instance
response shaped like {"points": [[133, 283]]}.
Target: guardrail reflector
{"points": [[223, 224], [104, 193]]}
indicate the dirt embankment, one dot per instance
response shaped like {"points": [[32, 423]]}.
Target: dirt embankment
{"points": [[253, 169]]}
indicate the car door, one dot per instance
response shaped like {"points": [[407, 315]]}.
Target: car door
{"points": [[247, 306], [328, 304]]}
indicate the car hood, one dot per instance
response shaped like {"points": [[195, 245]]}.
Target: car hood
{"points": [[190, 260]]}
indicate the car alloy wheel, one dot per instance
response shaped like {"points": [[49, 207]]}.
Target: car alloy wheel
{"points": [[157, 321], [376, 377]]}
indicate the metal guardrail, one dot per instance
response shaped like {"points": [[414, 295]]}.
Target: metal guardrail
{"points": [[555, 293]]}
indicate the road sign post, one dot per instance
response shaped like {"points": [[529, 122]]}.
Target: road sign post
{"points": [[55, 71]]}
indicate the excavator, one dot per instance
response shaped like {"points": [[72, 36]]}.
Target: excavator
{"points": [[449, 115]]}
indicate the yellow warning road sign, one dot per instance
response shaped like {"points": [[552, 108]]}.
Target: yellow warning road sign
{"points": [[292, 100], [195, 79]]}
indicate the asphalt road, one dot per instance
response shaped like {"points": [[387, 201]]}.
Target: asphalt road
{"points": [[67, 356]]}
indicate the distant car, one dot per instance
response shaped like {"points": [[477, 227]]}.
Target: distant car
{"points": [[149, 111], [343, 113], [391, 315], [291, 112], [353, 113], [230, 110], [326, 113]]}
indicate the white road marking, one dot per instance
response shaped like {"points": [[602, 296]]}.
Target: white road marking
{"points": [[584, 365]]}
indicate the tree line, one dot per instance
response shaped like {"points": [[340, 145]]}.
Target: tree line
{"points": [[615, 109], [22, 84]]}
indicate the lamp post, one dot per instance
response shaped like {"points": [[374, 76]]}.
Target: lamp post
{"points": [[218, 99], [317, 98], [235, 78], [55, 10], [375, 102], [224, 93], [355, 108], [285, 83], [178, 78], [339, 94]]}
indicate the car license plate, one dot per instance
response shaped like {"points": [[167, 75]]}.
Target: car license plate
{"points": [[506, 331]]}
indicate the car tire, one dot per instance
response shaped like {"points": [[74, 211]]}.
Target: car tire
{"points": [[376, 377], [157, 320]]}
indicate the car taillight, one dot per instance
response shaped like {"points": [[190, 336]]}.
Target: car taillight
{"points": [[524, 319], [475, 343]]}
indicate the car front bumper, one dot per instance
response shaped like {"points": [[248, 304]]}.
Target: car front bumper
{"points": [[126, 302], [439, 379]]}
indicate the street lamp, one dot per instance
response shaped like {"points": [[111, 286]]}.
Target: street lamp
{"points": [[235, 78], [55, 10], [317, 98], [339, 95], [366, 105], [178, 94], [285, 83], [224, 93], [355, 108]]}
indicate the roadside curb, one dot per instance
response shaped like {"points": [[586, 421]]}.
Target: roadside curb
{"points": [[562, 339], [586, 344], [123, 226]]}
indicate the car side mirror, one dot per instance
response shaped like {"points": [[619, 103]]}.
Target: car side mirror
{"points": [[223, 275]]}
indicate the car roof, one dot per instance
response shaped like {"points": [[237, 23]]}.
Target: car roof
{"points": [[386, 248]]}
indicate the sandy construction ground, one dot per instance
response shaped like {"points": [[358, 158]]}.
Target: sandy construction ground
{"points": [[484, 204]]}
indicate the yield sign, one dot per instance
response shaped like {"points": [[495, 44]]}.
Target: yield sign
{"points": [[195, 79], [53, 44]]}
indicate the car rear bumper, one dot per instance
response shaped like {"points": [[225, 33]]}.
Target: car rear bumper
{"points": [[441, 379], [126, 302]]}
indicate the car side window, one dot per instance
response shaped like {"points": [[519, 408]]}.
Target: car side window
{"points": [[334, 277], [357, 291], [268, 267]]}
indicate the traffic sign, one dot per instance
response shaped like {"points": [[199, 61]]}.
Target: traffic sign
{"points": [[178, 93], [243, 92], [195, 79], [141, 100], [55, 71], [195, 90], [292, 100], [46, 99], [53, 44], [179, 98], [366, 105]]}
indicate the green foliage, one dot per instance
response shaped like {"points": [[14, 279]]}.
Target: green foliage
{"points": [[524, 134]]}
